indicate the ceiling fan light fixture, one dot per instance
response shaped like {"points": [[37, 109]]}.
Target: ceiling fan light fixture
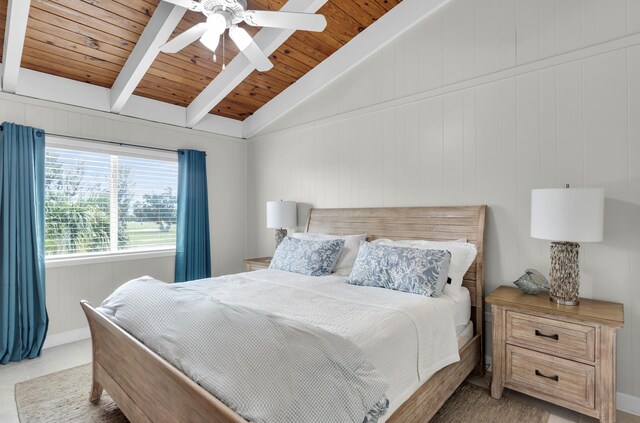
{"points": [[210, 39], [216, 24], [240, 37]]}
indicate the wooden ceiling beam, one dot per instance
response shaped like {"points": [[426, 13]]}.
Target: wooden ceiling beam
{"points": [[16, 27], [65, 90], [268, 39], [160, 26]]}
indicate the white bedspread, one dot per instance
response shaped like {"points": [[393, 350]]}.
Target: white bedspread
{"points": [[407, 337]]}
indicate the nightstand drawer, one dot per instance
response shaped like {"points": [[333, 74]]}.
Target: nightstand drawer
{"points": [[570, 340], [550, 376]]}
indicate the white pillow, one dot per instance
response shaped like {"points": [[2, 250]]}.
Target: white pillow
{"points": [[349, 251], [462, 256]]}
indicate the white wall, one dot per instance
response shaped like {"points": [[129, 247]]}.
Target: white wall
{"points": [[478, 104], [226, 172]]}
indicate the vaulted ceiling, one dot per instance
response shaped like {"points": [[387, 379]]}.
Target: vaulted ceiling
{"points": [[90, 41]]}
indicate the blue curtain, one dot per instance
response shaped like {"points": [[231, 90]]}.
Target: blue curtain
{"points": [[23, 313], [193, 252]]}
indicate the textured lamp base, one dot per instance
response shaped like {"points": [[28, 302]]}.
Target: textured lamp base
{"points": [[565, 273], [280, 234]]}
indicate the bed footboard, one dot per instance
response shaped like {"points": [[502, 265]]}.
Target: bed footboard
{"points": [[149, 389], [428, 399], [144, 385]]}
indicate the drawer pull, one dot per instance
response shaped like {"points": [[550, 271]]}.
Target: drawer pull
{"points": [[554, 377], [555, 336]]}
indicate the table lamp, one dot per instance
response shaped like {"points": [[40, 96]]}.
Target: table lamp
{"points": [[281, 215], [566, 216]]}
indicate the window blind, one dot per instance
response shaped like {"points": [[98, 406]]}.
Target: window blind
{"points": [[100, 202]]}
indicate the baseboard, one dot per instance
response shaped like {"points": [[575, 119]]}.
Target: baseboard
{"points": [[68, 337], [628, 403], [624, 402]]}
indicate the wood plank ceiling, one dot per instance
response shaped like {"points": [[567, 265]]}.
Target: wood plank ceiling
{"points": [[90, 40]]}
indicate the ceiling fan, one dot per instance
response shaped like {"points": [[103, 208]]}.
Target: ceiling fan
{"points": [[223, 14]]}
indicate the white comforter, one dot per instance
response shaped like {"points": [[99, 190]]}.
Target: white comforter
{"points": [[407, 337]]}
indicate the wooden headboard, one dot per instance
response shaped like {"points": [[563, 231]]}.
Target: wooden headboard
{"points": [[432, 223]]}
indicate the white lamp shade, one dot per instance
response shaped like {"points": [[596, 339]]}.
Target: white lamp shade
{"points": [[282, 214], [567, 214]]}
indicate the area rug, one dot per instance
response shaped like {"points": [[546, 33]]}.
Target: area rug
{"points": [[472, 404], [64, 397]]}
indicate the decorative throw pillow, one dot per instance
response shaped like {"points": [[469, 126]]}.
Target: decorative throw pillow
{"points": [[349, 251], [313, 258], [403, 269], [462, 256]]}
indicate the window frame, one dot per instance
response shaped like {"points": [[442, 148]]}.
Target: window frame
{"points": [[109, 256]]}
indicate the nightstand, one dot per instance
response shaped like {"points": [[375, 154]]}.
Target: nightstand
{"points": [[257, 263], [562, 354]]}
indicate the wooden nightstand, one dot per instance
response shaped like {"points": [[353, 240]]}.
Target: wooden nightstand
{"points": [[257, 263], [562, 354]]}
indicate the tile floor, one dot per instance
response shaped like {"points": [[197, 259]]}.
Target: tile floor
{"points": [[77, 353], [51, 360]]}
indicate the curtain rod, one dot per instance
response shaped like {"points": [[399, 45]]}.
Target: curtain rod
{"points": [[107, 142], [111, 142]]}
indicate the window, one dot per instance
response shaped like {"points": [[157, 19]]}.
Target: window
{"points": [[108, 199]]}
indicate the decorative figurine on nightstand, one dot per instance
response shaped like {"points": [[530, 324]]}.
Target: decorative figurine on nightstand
{"points": [[281, 215], [532, 282]]}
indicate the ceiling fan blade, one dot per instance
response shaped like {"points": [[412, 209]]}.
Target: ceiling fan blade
{"points": [[184, 39], [288, 20], [189, 4], [250, 49]]}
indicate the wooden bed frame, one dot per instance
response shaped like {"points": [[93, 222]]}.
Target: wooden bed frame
{"points": [[149, 389]]}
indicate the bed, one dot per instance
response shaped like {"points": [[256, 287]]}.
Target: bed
{"points": [[148, 388]]}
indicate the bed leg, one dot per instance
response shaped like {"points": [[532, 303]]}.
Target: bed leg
{"points": [[96, 391], [479, 370]]}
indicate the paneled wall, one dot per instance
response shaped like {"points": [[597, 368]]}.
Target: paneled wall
{"points": [[68, 285], [478, 104], [226, 172]]}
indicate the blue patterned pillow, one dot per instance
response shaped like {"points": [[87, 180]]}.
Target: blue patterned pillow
{"points": [[313, 258], [413, 270]]}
